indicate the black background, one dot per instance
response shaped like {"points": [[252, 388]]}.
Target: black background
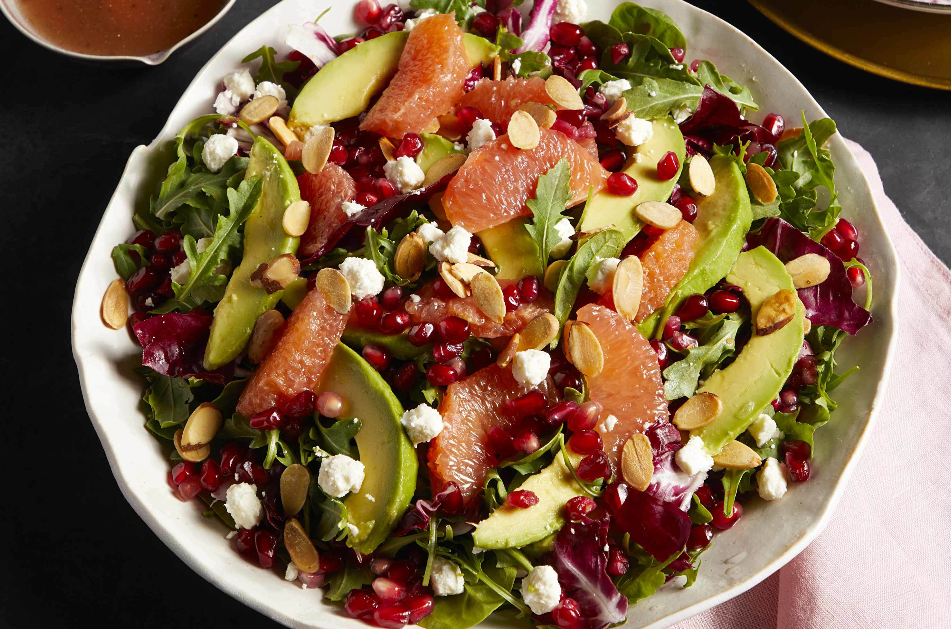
{"points": [[71, 548]]}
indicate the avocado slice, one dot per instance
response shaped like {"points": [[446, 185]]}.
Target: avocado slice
{"points": [[757, 375], [723, 218], [606, 209], [264, 240], [388, 455], [435, 147], [344, 87], [512, 248], [509, 527], [397, 344]]}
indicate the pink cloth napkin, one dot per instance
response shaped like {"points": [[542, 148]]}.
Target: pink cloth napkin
{"points": [[885, 559]]}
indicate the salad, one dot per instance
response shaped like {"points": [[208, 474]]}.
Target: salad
{"points": [[476, 313]]}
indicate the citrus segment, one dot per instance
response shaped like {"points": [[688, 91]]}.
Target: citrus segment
{"points": [[498, 100], [664, 263], [325, 191]]}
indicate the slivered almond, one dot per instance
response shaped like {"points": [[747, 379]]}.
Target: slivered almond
{"points": [[115, 305], [262, 338], [202, 426], [317, 149], [761, 184], [563, 92], [637, 462], [479, 260], [553, 274], [410, 257], [507, 354], [277, 274], [658, 214], [281, 131], [259, 109], [616, 121], [465, 271], [776, 312], [488, 296], [445, 166], [627, 287], [540, 331], [497, 68], [737, 456], [432, 127], [701, 175], [523, 130], [618, 109], [192, 455], [335, 289], [296, 218], [698, 411], [809, 270], [295, 482], [543, 115], [450, 127], [583, 349], [300, 548], [389, 151], [790, 133], [453, 282]]}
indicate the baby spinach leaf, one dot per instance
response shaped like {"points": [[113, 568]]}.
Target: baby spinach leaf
{"points": [[683, 376], [122, 259], [604, 244], [652, 97], [551, 199], [708, 75], [461, 8], [169, 397], [474, 605], [631, 18], [813, 168], [649, 57], [336, 439]]}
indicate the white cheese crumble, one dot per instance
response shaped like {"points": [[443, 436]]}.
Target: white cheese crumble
{"points": [[340, 475], [422, 15], [530, 367], [612, 90], [266, 88], [180, 273], [570, 11], [364, 278], [565, 231], [351, 208], [240, 84], [415, 298], [218, 149], [600, 275], [634, 131], [226, 103], [429, 232], [404, 173], [680, 113], [540, 589], [446, 579], [763, 429], [607, 425], [453, 246], [292, 572], [422, 423], [516, 66], [480, 134], [241, 502], [692, 458], [770, 481]]}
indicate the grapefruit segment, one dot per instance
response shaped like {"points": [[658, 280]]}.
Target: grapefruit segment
{"points": [[498, 100], [325, 191], [665, 262], [298, 359], [629, 386], [427, 84], [497, 179]]}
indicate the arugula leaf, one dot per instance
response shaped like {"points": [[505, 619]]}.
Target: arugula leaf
{"points": [[494, 492], [352, 577], [604, 244], [732, 479], [122, 259], [183, 187], [631, 18], [239, 427], [277, 450], [227, 400], [169, 397], [651, 97], [593, 77], [698, 513], [464, 12], [682, 377], [272, 70], [336, 439], [534, 462], [637, 588], [382, 249], [309, 447], [808, 167], [708, 75], [551, 199]]}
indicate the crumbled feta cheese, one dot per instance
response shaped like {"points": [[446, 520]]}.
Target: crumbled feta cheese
{"points": [[634, 131], [763, 429], [600, 275], [607, 425], [429, 232], [218, 149], [692, 458], [540, 589], [181, 272], [565, 231], [266, 88], [226, 103], [453, 246], [364, 278], [415, 298], [680, 113], [340, 475], [240, 83], [676, 66], [612, 90], [369, 497], [446, 578], [530, 367], [404, 173], [351, 208], [422, 15], [480, 134], [241, 501], [292, 572], [570, 11], [459, 147], [422, 423], [770, 481], [516, 66]]}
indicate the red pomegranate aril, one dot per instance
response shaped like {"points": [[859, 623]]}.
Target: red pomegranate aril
{"points": [[695, 65], [169, 242], [377, 356], [210, 475], [578, 507], [391, 15], [380, 566], [856, 276], [480, 359], [500, 442], [613, 161], [143, 237], [395, 322], [566, 34], [799, 449], [143, 281], [421, 333], [419, 607], [391, 297], [486, 25], [411, 146], [559, 412], [671, 327], [522, 499], [775, 124], [511, 297], [588, 63], [723, 522], [566, 128], [311, 579], [848, 250], [567, 615], [694, 307], [231, 455], [468, 115], [567, 378], [528, 289], [367, 12], [442, 289], [388, 590], [301, 405], [573, 117], [700, 537], [385, 188], [668, 166], [444, 352], [586, 442], [329, 404], [453, 329], [344, 46], [594, 466], [265, 420], [292, 429], [586, 48], [189, 488], [157, 260], [678, 54], [244, 541], [330, 562], [403, 571], [361, 604], [178, 257], [798, 469], [526, 441], [621, 184], [618, 563], [663, 354], [441, 375], [182, 472], [724, 302], [833, 240], [688, 209], [392, 616], [847, 230], [619, 52], [532, 403], [459, 367], [366, 199], [338, 154], [586, 416], [265, 544], [681, 341], [251, 472], [788, 398], [705, 496], [653, 232]]}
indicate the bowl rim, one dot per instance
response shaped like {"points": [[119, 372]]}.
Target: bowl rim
{"points": [[154, 59], [919, 5], [844, 158]]}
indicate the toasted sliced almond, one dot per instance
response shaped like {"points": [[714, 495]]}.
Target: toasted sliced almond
{"points": [[202, 426], [637, 462], [277, 274], [658, 214], [809, 270], [279, 129], [335, 289], [616, 121], [262, 338], [698, 411], [737, 456], [193, 455], [497, 68], [583, 349], [432, 127], [507, 354], [259, 109], [701, 175], [300, 548], [761, 184], [627, 287], [453, 282], [479, 260], [543, 115], [523, 130], [296, 218], [115, 305], [465, 271], [445, 166], [450, 127], [553, 274], [488, 296], [790, 133], [617, 110], [295, 483], [563, 92], [317, 149], [389, 151], [806, 324], [410, 257], [776, 312], [540, 331]]}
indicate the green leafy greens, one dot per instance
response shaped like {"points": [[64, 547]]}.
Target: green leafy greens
{"points": [[551, 199]]}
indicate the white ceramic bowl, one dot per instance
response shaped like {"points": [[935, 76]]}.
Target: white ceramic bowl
{"points": [[927, 6], [769, 534]]}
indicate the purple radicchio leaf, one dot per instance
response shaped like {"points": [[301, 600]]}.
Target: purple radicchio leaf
{"points": [[448, 502], [535, 36], [660, 528], [312, 41], [669, 483], [828, 303], [718, 121], [511, 20], [174, 345], [580, 559]]}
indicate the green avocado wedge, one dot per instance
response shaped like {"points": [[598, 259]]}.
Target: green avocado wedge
{"points": [[723, 218], [606, 209], [435, 147], [512, 248], [264, 240], [344, 87], [386, 452], [755, 378]]}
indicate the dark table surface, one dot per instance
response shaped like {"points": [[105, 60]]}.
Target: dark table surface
{"points": [[73, 549]]}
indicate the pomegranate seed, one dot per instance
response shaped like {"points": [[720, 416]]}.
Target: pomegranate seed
{"points": [[377, 356], [182, 472], [293, 428], [301, 405], [366, 199], [189, 488], [411, 146], [567, 378], [360, 604], [772, 156], [441, 375], [681, 341], [392, 15], [391, 297], [419, 607], [210, 475], [178, 257], [395, 322], [367, 12], [312, 579], [368, 311], [444, 352], [330, 563], [724, 302], [788, 398], [613, 160], [244, 541], [688, 209], [566, 128], [522, 499], [848, 250], [345, 45], [799, 449], [143, 281], [391, 616], [678, 54], [585, 417], [722, 522], [588, 63], [618, 563], [500, 442], [143, 237], [653, 232], [586, 442], [512, 298], [380, 566], [594, 466], [560, 412], [668, 166], [663, 354], [169, 242], [695, 65], [529, 287], [264, 420], [526, 441], [329, 404], [572, 117], [622, 184], [338, 154], [619, 52], [251, 472], [566, 34], [807, 370], [459, 366], [856, 276], [388, 590], [480, 359], [453, 329], [265, 544], [705, 496], [579, 506], [799, 469], [700, 537], [833, 240], [775, 124], [694, 307], [671, 327], [847, 230], [157, 260], [586, 48], [421, 333], [486, 25], [442, 289], [532, 403], [467, 116], [567, 615]]}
